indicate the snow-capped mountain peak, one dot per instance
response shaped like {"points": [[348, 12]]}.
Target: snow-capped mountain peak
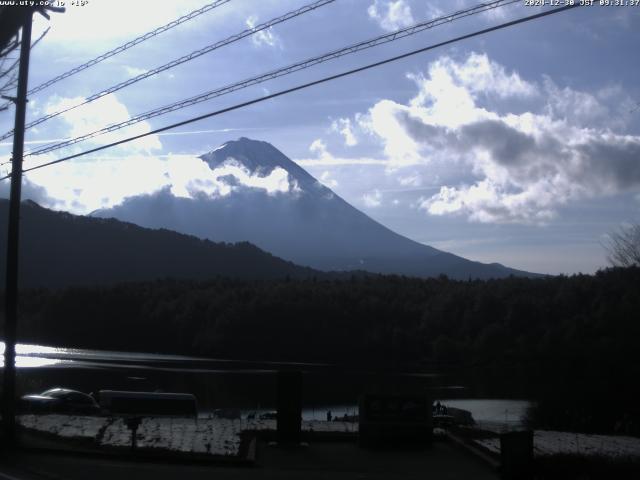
{"points": [[258, 158]]}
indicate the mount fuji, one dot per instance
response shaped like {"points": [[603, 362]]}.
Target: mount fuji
{"points": [[255, 193]]}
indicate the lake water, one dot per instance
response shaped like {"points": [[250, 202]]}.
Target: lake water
{"points": [[494, 414], [489, 413], [33, 356], [221, 383]]}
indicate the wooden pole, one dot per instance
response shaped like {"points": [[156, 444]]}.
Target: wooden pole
{"points": [[11, 285]]}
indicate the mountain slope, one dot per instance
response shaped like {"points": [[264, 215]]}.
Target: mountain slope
{"points": [[305, 222], [60, 249]]}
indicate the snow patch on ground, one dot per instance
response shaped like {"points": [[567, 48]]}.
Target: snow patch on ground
{"points": [[210, 435], [553, 443], [64, 425]]}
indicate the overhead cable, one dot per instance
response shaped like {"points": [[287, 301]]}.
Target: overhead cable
{"points": [[185, 58], [307, 85], [129, 44], [390, 37]]}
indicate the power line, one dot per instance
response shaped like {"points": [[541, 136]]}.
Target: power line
{"points": [[390, 37], [283, 71], [307, 85], [10, 47], [10, 69], [186, 58], [17, 60], [126, 46], [129, 44], [39, 39]]}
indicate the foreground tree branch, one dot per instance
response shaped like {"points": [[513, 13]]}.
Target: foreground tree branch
{"points": [[623, 246]]}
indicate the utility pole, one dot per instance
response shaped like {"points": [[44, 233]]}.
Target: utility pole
{"points": [[11, 286]]}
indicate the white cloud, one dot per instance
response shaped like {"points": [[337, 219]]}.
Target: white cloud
{"points": [[134, 71], [325, 178], [344, 127], [98, 114], [93, 24], [413, 180], [383, 122], [434, 11], [318, 147], [610, 107], [102, 181], [89, 183], [82, 187], [496, 14], [391, 15], [373, 199], [524, 165], [161, 134], [325, 158], [263, 37], [447, 97], [330, 160], [482, 76], [276, 182]]}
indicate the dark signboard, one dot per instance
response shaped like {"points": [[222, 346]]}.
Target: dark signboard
{"points": [[396, 409], [289, 407], [395, 420], [516, 455]]}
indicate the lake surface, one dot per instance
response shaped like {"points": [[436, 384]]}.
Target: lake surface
{"points": [[489, 413], [222, 383], [494, 414], [34, 356]]}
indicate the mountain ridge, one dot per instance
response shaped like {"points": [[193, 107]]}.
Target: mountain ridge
{"points": [[59, 249], [308, 224]]}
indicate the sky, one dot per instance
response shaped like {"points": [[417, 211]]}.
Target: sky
{"points": [[520, 146]]}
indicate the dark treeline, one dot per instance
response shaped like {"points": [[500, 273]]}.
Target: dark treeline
{"points": [[568, 342], [83, 250]]}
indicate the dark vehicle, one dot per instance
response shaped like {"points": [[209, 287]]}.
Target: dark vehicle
{"points": [[60, 400]]}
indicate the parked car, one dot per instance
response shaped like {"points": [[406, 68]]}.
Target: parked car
{"points": [[59, 400]]}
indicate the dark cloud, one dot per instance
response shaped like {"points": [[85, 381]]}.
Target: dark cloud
{"points": [[522, 175], [434, 135], [507, 145], [615, 164], [30, 191]]}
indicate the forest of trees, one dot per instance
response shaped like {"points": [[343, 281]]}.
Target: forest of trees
{"points": [[568, 342]]}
